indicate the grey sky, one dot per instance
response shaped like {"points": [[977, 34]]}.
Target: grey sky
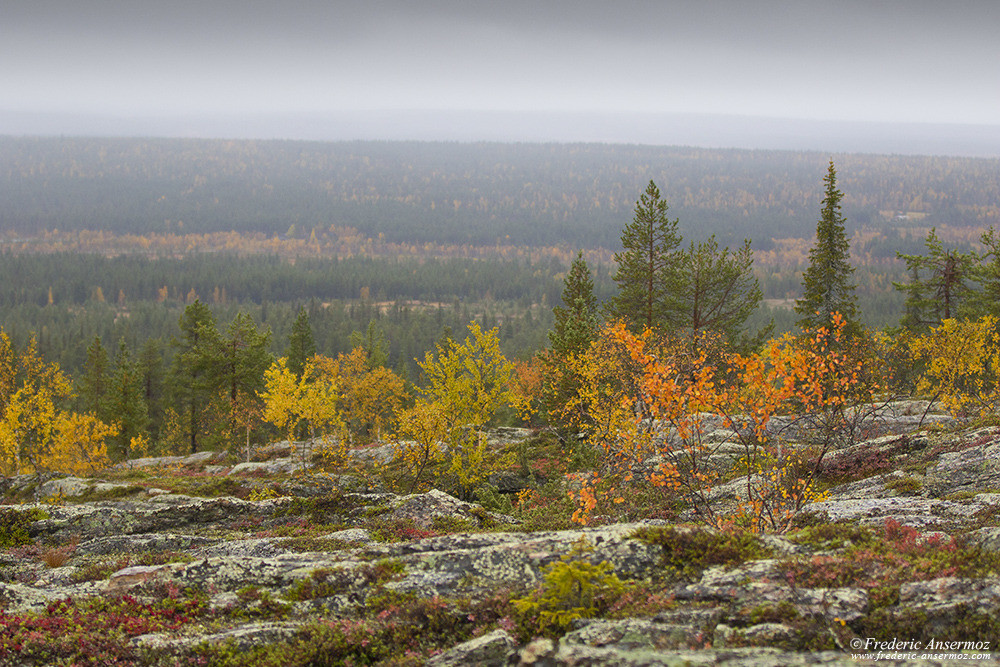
{"points": [[895, 60]]}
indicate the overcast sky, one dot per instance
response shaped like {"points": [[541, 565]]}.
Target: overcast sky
{"points": [[898, 61]]}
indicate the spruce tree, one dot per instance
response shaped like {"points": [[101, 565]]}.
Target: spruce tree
{"points": [[986, 273], [235, 366], [301, 345], [647, 275], [576, 320], [373, 342], [189, 379], [128, 404], [151, 368], [95, 382], [826, 284]]}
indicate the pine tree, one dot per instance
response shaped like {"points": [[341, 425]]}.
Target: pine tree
{"points": [[235, 366], [646, 275], [826, 283], [718, 291], [576, 320], [939, 284]]}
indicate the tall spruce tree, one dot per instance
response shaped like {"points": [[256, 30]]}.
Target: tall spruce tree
{"points": [[826, 284], [151, 368], [189, 378], [986, 273], [575, 328], [374, 343], [647, 272], [576, 320]]}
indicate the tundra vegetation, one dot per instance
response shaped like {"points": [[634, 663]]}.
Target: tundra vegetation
{"points": [[698, 442]]}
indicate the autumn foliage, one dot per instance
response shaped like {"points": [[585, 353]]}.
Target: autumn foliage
{"points": [[661, 411], [37, 433], [960, 362]]}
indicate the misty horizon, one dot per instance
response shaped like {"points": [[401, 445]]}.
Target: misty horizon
{"points": [[701, 130], [555, 70]]}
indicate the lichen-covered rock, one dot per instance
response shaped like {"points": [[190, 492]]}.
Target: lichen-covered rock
{"points": [[142, 543], [423, 508], [243, 637], [908, 511], [493, 649], [974, 468], [474, 563], [640, 634]]}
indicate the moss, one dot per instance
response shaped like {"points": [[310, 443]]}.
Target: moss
{"points": [[258, 604], [454, 524], [782, 612], [881, 597], [687, 552], [987, 517], [326, 582], [321, 509], [15, 525], [830, 536], [115, 493], [905, 486]]}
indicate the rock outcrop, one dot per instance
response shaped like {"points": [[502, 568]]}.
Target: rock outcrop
{"points": [[328, 558]]}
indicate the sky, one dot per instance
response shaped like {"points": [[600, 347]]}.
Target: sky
{"points": [[890, 61]]}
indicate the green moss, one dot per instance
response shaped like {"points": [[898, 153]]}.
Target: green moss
{"points": [[15, 524], [687, 552], [258, 604], [321, 509], [830, 536], [454, 524], [325, 544], [94, 495], [905, 486], [782, 612]]}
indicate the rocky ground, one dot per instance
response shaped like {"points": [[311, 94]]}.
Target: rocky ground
{"points": [[194, 560]]}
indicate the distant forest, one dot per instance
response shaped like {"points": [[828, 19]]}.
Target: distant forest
{"points": [[113, 237], [578, 195]]}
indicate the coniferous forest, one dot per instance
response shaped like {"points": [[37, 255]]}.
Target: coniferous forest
{"points": [[159, 276]]}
